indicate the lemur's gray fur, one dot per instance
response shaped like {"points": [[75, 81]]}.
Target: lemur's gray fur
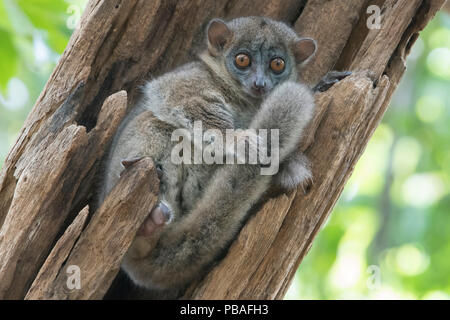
{"points": [[202, 207]]}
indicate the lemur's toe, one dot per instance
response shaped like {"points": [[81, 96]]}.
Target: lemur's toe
{"points": [[159, 171], [127, 163], [307, 185], [159, 216]]}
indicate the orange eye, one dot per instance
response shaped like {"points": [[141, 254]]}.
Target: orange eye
{"points": [[242, 60], [277, 65]]}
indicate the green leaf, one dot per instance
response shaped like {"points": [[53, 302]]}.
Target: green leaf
{"points": [[8, 58], [49, 15], [4, 21]]}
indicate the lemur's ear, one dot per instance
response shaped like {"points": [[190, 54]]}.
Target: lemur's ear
{"points": [[304, 49], [218, 36]]}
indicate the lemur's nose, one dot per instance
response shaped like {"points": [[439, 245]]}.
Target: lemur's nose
{"points": [[259, 83]]}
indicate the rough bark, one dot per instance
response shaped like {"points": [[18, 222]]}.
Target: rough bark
{"points": [[446, 6], [50, 269], [48, 176], [115, 223]]}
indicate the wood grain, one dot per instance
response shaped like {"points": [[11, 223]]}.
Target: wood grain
{"points": [[100, 248], [43, 282], [46, 187]]}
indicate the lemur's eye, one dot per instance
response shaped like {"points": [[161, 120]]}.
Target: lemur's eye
{"points": [[242, 60], [277, 65]]}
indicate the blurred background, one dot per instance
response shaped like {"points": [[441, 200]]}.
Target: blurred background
{"points": [[389, 235]]}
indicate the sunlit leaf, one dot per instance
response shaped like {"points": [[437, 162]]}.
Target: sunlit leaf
{"points": [[8, 57], [4, 20], [51, 16]]}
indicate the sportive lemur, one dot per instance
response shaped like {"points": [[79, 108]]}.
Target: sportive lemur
{"points": [[246, 78]]}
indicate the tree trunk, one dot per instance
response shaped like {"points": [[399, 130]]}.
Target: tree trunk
{"points": [[48, 176]]}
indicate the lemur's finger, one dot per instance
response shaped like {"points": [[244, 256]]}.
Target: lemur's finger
{"points": [[307, 185], [129, 162], [159, 171], [339, 75]]}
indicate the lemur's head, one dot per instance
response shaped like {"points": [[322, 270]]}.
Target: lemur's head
{"points": [[256, 52]]}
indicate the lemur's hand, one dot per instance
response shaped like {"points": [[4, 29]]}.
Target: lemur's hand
{"points": [[330, 79]]}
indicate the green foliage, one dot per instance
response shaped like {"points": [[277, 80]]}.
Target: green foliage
{"points": [[8, 61], [51, 16], [389, 235], [33, 34]]}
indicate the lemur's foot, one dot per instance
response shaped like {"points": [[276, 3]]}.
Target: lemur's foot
{"points": [[157, 218], [295, 171], [160, 215], [330, 79]]}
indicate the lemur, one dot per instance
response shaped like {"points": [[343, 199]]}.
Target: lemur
{"points": [[246, 78]]}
